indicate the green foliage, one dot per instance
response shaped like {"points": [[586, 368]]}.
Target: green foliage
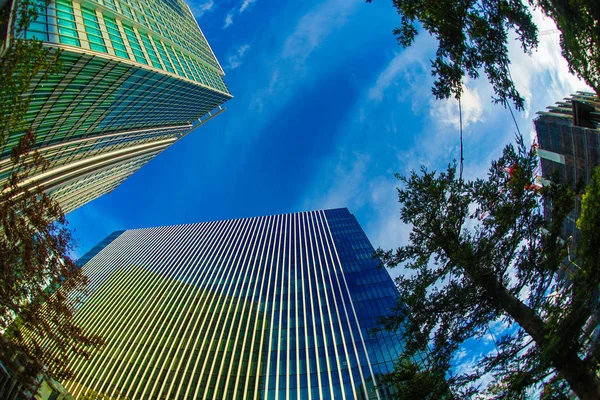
{"points": [[579, 23], [22, 63], [39, 282], [472, 36], [411, 381], [481, 252], [40, 285], [589, 220]]}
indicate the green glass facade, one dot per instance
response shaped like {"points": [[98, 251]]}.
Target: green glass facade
{"points": [[137, 75], [277, 307]]}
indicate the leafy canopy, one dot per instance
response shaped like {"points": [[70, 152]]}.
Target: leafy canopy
{"points": [[481, 252], [23, 61], [472, 37], [579, 24], [39, 282]]}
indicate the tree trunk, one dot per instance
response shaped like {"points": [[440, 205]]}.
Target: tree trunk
{"points": [[583, 382]]}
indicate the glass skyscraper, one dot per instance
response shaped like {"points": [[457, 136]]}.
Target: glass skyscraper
{"points": [[136, 76], [276, 307]]}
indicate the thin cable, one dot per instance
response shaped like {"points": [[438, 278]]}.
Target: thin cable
{"points": [[461, 139], [513, 117], [508, 104]]}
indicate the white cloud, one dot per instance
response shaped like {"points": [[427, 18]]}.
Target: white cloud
{"points": [[200, 7], [405, 68], [228, 20], [315, 26], [446, 112], [287, 67], [546, 73], [237, 58], [347, 191], [246, 4]]}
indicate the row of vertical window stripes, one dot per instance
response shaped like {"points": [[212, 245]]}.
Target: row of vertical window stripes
{"points": [[93, 96], [146, 48], [373, 291], [201, 255]]}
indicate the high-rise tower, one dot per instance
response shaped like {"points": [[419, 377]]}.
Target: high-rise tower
{"points": [[278, 307], [568, 135], [136, 76]]}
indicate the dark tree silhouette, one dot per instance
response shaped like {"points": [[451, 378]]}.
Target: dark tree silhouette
{"points": [[579, 24], [472, 37], [39, 282], [481, 252]]}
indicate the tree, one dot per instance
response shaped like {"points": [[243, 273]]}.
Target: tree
{"points": [[472, 36], [481, 252], [39, 282], [579, 24], [412, 381], [22, 61]]}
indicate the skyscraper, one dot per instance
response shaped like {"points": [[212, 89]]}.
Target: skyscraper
{"points": [[568, 136], [137, 75], [277, 307]]}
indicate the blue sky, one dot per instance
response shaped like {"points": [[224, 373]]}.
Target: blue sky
{"points": [[327, 107]]}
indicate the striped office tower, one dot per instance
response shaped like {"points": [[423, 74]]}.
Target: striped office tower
{"points": [[278, 307], [137, 75]]}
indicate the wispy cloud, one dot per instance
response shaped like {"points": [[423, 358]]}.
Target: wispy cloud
{"points": [[228, 20], [315, 26], [292, 67], [402, 72], [347, 192], [446, 112], [237, 58], [200, 7], [545, 71], [246, 4]]}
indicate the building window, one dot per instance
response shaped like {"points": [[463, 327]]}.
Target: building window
{"points": [[93, 30], [67, 29]]}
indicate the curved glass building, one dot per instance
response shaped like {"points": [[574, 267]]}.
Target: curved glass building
{"points": [[136, 76], [277, 307]]}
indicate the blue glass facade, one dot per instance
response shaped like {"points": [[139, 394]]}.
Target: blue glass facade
{"points": [[278, 307]]}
